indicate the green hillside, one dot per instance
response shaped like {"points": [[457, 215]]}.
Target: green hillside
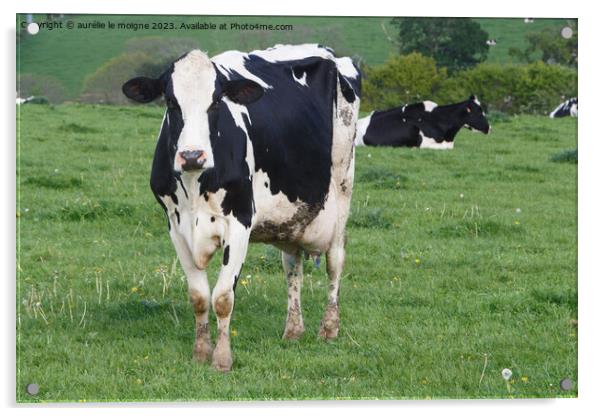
{"points": [[69, 55]]}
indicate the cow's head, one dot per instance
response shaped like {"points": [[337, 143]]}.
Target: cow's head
{"points": [[475, 117], [201, 120]]}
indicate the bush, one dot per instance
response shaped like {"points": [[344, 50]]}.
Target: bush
{"points": [[535, 88], [104, 85], [48, 88], [402, 79], [148, 56]]}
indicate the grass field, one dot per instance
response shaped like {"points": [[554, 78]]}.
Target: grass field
{"points": [[71, 55], [460, 263]]}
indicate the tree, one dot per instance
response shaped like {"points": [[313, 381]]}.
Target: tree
{"points": [[455, 43], [550, 46]]}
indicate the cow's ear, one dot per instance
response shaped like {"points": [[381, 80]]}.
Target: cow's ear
{"points": [[472, 97], [142, 89], [242, 91]]}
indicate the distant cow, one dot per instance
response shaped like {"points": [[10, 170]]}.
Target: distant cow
{"points": [[567, 108], [254, 147], [424, 125], [24, 100]]}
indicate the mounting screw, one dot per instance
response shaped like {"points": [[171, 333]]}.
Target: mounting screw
{"points": [[32, 389], [566, 384]]}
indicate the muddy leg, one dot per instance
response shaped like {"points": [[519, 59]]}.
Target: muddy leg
{"points": [[199, 294], [293, 269], [335, 258], [235, 251]]}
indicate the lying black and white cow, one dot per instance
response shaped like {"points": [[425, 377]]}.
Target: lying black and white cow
{"points": [[259, 147], [567, 108], [425, 125]]}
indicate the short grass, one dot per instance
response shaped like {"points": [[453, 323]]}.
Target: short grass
{"points": [[71, 55], [460, 264]]}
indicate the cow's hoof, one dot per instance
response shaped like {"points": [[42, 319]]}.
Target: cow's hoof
{"points": [[222, 361], [329, 328], [293, 332], [222, 366], [202, 352]]}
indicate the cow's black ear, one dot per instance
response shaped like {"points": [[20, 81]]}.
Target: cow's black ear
{"points": [[472, 97], [142, 89], [242, 91]]}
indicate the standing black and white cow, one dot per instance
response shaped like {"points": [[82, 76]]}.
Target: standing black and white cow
{"points": [[254, 146], [424, 125], [566, 108]]}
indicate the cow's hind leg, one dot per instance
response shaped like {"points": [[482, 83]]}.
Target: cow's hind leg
{"points": [[335, 259], [293, 269], [335, 256]]}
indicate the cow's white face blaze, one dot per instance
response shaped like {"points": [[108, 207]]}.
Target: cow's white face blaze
{"points": [[193, 84]]}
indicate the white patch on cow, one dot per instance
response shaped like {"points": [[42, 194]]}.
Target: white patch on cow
{"points": [[237, 111], [362, 126], [193, 81], [574, 110], [302, 80], [281, 52], [277, 208], [346, 67], [429, 106], [476, 101], [234, 61], [430, 143]]}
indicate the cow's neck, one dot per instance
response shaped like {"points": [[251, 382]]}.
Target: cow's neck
{"points": [[454, 117]]}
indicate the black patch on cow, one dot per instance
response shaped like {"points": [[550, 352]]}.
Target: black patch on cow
{"points": [[177, 215], [229, 146], [226, 255], [179, 178], [346, 89], [389, 128], [266, 184], [197, 221], [299, 134], [236, 277], [238, 201], [212, 219], [206, 196]]}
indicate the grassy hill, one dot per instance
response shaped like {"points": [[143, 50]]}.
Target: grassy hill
{"points": [[68, 56]]}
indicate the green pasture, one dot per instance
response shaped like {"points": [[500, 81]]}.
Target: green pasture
{"points": [[459, 264]]}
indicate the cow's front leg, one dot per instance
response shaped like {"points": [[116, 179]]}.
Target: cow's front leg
{"points": [[293, 268], [235, 251], [199, 294]]}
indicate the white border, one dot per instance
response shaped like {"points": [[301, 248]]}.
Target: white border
{"points": [[590, 144]]}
